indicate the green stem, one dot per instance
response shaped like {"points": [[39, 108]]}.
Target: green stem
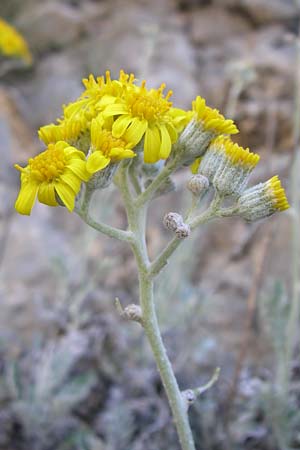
{"points": [[137, 225], [164, 366], [112, 232]]}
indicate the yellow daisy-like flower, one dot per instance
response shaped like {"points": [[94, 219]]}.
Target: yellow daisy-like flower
{"points": [[211, 119], [106, 148], [12, 43], [97, 95], [149, 114], [58, 171]]}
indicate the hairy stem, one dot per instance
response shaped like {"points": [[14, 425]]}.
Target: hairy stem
{"points": [[137, 226], [112, 232], [169, 381]]}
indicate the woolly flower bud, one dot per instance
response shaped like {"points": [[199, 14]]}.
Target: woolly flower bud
{"points": [[263, 200], [228, 166], [205, 124], [183, 231], [172, 221], [198, 184], [193, 142]]}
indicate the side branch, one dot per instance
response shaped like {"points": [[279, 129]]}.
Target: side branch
{"points": [[162, 260], [105, 229]]}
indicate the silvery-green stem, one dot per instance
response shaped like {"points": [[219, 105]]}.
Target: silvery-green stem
{"points": [[112, 232], [136, 222], [169, 381]]}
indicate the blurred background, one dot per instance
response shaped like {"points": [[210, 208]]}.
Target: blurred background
{"points": [[73, 374]]}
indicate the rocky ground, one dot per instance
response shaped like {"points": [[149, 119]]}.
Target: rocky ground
{"points": [[72, 374]]}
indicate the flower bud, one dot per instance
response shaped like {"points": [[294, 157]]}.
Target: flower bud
{"points": [[172, 221], [198, 184], [228, 166], [133, 312], [183, 231], [262, 200], [205, 124]]}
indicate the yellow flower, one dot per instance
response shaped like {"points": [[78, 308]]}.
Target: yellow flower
{"points": [[263, 200], [277, 194], [67, 130], [228, 166], [12, 43], [97, 95], [147, 113], [211, 119], [105, 147], [56, 172]]}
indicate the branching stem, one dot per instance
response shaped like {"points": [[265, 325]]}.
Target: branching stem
{"points": [[136, 210]]}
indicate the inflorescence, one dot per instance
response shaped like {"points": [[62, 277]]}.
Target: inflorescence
{"points": [[118, 119]]}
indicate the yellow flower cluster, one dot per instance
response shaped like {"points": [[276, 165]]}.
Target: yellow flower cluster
{"points": [[12, 43], [114, 119]]}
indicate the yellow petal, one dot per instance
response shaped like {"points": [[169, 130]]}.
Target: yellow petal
{"points": [[71, 180], [166, 144], [46, 194], [78, 167], [118, 153], [195, 166], [66, 194], [120, 125], [136, 131], [26, 197], [106, 100], [96, 161], [172, 132], [72, 152], [152, 145], [115, 110]]}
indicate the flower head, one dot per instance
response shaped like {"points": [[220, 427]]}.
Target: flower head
{"points": [[55, 173], [67, 130], [106, 148], [12, 43], [262, 200], [211, 119], [227, 165], [204, 124], [149, 114], [98, 94]]}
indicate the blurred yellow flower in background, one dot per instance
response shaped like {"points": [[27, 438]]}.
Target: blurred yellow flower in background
{"points": [[12, 44]]}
